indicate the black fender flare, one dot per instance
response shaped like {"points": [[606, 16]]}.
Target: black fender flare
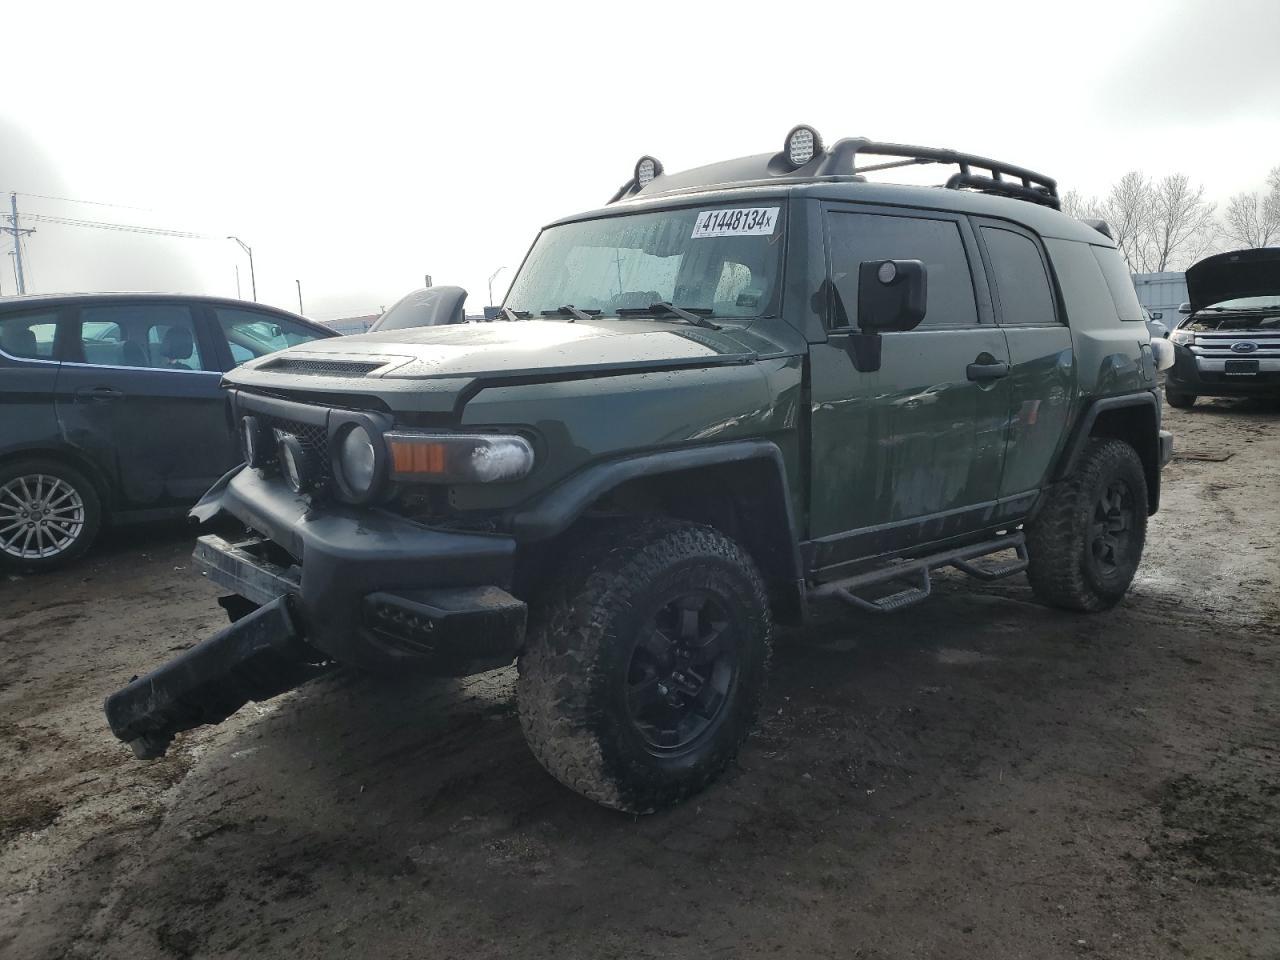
{"points": [[554, 511], [1084, 430]]}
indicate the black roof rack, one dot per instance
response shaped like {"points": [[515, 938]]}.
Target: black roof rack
{"points": [[806, 159], [1004, 179]]}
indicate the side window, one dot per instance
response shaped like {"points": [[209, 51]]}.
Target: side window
{"points": [[158, 336], [28, 335], [1022, 284], [1119, 282], [858, 237], [1084, 289], [250, 334]]}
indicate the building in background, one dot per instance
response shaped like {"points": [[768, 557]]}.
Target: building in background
{"points": [[1162, 294]]}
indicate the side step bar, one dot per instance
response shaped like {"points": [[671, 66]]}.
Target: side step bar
{"points": [[919, 571]]}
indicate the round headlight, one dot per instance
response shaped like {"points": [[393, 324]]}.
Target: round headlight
{"points": [[803, 143], [295, 463], [887, 273], [357, 462], [647, 168]]}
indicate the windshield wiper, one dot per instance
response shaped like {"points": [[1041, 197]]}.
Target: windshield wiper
{"points": [[695, 315], [572, 312], [508, 314]]}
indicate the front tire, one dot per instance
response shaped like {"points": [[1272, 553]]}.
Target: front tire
{"points": [[49, 515], [1180, 400], [646, 663], [1085, 545]]}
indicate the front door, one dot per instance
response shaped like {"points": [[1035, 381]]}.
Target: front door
{"points": [[139, 389], [912, 451]]}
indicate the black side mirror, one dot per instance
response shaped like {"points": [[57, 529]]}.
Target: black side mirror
{"points": [[1184, 308], [1158, 315], [892, 295]]}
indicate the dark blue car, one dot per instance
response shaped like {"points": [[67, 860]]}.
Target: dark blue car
{"points": [[111, 410]]}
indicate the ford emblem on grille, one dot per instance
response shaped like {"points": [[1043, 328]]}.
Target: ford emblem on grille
{"points": [[1244, 346]]}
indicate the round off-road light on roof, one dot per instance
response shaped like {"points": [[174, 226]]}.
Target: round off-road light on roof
{"points": [[647, 168], [803, 144]]}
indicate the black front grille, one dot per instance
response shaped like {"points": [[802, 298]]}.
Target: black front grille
{"points": [[314, 440], [324, 368]]}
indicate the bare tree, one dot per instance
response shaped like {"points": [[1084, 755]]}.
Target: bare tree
{"points": [[1182, 227], [1074, 204], [1128, 211], [1253, 219]]}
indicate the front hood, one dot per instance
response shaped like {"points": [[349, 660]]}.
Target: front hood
{"points": [[1227, 276], [510, 349]]}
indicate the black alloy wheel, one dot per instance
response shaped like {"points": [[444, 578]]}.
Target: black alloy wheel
{"points": [[683, 669]]}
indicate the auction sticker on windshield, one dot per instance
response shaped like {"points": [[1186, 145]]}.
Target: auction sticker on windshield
{"points": [[743, 222]]}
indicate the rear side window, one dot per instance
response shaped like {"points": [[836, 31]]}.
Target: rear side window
{"points": [[858, 237], [1022, 285], [158, 336], [1084, 289], [28, 336], [1119, 282], [250, 334]]}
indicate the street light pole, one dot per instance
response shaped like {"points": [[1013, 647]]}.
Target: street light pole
{"points": [[253, 280], [299, 283], [493, 277]]}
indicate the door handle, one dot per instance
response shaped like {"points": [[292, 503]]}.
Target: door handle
{"points": [[987, 371], [99, 394]]}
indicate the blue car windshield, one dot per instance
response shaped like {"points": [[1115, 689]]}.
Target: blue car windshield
{"points": [[722, 259]]}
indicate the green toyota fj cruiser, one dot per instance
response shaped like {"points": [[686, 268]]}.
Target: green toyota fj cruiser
{"points": [[726, 393]]}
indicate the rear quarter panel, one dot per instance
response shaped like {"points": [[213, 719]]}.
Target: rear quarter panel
{"points": [[1108, 350]]}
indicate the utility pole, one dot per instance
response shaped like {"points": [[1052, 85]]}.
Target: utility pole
{"points": [[253, 280], [299, 283], [17, 232]]}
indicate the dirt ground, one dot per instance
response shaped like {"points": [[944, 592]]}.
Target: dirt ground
{"points": [[976, 777]]}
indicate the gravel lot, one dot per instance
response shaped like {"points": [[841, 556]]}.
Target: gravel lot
{"points": [[975, 777]]}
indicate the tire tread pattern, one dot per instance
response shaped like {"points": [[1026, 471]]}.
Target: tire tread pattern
{"points": [[560, 671]]}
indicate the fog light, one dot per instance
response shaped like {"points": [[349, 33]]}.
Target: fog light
{"points": [[803, 143], [295, 463], [251, 442]]}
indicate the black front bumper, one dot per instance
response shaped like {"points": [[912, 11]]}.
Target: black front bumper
{"points": [[369, 588], [255, 658], [335, 584]]}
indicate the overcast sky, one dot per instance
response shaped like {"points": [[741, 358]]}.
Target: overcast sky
{"points": [[358, 146]]}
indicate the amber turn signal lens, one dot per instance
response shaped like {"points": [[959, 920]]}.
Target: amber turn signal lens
{"points": [[459, 458], [417, 457]]}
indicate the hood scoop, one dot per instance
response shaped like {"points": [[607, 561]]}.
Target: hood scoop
{"points": [[307, 366]]}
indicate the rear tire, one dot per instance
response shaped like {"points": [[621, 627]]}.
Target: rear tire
{"points": [[1180, 400], [646, 663], [1085, 546], [49, 514]]}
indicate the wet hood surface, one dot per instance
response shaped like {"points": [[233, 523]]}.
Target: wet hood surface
{"points": [[1227, 276], [522, 348]]}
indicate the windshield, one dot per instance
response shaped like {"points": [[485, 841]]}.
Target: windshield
{"points": [[1248, 303], [725, 259]]}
